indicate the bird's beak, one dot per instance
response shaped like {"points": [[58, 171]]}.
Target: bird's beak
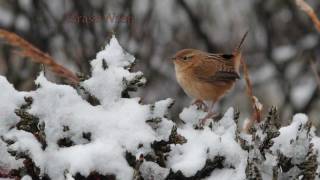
{"points": [[173, 58]]}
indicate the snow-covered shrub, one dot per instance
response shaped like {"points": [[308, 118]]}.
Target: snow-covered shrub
{"points": [[282, 153], [58, 132], [97, 131]]}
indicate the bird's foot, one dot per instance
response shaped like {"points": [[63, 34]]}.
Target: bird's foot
{"points": [[200, 105]]}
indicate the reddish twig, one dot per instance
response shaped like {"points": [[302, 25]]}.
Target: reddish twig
{"points": [[310, 12], [256, 105], [28, 50]]}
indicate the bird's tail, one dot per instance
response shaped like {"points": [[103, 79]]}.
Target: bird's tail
{"points": [[238, 48], [237, 53]]}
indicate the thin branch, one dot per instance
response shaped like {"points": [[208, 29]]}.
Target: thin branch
{"points": [[310, 12], [256, 105], [26, 49]]}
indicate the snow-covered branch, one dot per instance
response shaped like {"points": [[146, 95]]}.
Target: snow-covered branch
{"points": [[57, 132]]}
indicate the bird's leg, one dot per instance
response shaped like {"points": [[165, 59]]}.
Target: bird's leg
{"points": [[200, 105], [209, 115]]}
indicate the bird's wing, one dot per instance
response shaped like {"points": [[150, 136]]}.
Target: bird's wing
{"points": [[225, 59], [216, 69]]}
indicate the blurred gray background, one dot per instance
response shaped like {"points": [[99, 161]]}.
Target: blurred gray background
{"points": [[281, 41]]}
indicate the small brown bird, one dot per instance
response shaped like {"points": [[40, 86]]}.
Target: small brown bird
{"points": [[206, 76]]}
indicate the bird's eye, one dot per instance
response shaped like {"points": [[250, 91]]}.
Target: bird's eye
{"points": [[186, 58]]}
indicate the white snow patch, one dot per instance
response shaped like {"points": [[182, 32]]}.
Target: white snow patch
{"points": [[191, 114], [107, 85], [151, 170], [287, 143], [10, 99], [208, 144], [26, 177]]}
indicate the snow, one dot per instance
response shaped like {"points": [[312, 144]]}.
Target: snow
{"points": [[160, 109], [151, 170], [287, 142], [114, 55], [26, 178], [191, 114], [108, 85], [116, 126], [119, 125], [9, 100], [207, 144], [316, 142], [292, 129], [223, 174]]}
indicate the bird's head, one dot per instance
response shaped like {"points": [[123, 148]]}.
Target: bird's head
{"points": [[185, 57]]}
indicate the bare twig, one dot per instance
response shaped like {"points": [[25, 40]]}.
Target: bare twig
{"points": [[26, 49], [256, 105], [310, 12]]}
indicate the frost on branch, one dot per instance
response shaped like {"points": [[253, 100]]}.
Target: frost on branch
{"points": [[97, 131]]}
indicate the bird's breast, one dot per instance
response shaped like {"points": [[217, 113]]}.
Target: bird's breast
{"points": [[201, 90]]}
